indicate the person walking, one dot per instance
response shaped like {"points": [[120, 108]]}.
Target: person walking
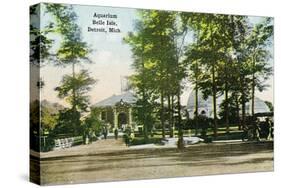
{"points": [[116, 134], [104, 131]]}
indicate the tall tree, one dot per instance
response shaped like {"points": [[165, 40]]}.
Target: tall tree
{"points": [[210, 50], [40, 43], [215, 43], [240, 86], [141, 81], [233, 29], [151, 45], [157, 47], [72, 49], [69, 119], [193, 59], [83, 83], [258, 53]]}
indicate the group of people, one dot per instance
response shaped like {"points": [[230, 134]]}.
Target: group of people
{"points": [[105, 132], [259, 130], [127, 136]]}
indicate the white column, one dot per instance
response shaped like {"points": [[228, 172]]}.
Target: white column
{"points": [[130, 117], [100, 113], [115, 118]]}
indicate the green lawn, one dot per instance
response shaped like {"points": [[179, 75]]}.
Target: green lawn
{"points": [[141, 140], [234, 134]]}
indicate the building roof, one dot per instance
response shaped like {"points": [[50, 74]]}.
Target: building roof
{"points": [[207, 105], [127, 97]]}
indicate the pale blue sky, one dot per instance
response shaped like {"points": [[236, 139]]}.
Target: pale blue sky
{"points": [[112, 58]]}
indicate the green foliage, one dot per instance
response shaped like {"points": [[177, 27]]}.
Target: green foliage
{"points": [[34, 115], [74, 89], [48, 119], [228, 56], [68, 123], [145, 114], [232, 111], [34, 118], [72, 49], [40, 44], [157, 47], [92, 124], [140, 141]]}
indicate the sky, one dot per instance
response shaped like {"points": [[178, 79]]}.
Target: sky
{"points": [[112, 58]]}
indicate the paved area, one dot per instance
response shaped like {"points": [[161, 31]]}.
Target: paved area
{"points": [[100, 146], [110, 160]]}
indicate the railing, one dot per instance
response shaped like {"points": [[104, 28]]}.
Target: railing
{"points": [[67, 142]]}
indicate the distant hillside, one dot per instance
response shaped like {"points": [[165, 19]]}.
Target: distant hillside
{"points": [[52, 107]]}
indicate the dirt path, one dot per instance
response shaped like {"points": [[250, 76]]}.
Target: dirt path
{"points": [[100, 146], [129, 164]]}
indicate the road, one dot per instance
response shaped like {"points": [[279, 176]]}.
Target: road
{"points": [[112, 161]]}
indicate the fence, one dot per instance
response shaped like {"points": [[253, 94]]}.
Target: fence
{"points": [[67, 142]]}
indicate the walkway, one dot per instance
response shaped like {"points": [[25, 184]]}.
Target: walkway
{"points": [[100, 146], [111, 160]]}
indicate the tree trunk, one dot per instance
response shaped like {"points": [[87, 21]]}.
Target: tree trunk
{"points": [[145, 131], [196, 100], [214, 100], [169, 115], [196, 110], [226, 97], [238, 112], [73, 89], [253, 95], [226, 111], [172, 114], [253, 100], [162, 115], [253, 87], [243, 110], [180, 141]]}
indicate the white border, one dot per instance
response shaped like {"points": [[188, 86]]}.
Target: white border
{"points": [[14, 73]]}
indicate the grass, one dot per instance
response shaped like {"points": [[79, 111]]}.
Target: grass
{"points": [[141, 140], [191, 132], [234, 134]]}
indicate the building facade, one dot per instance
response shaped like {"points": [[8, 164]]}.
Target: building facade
{"points": [[117, 110]]}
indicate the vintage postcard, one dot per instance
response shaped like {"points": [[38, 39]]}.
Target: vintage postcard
{"points": [[125, 94]]}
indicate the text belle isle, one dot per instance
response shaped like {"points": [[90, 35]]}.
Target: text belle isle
{"points": [[102, 21]]}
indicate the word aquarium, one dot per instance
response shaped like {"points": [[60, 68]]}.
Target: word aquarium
{"points": [[128, 94]]}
